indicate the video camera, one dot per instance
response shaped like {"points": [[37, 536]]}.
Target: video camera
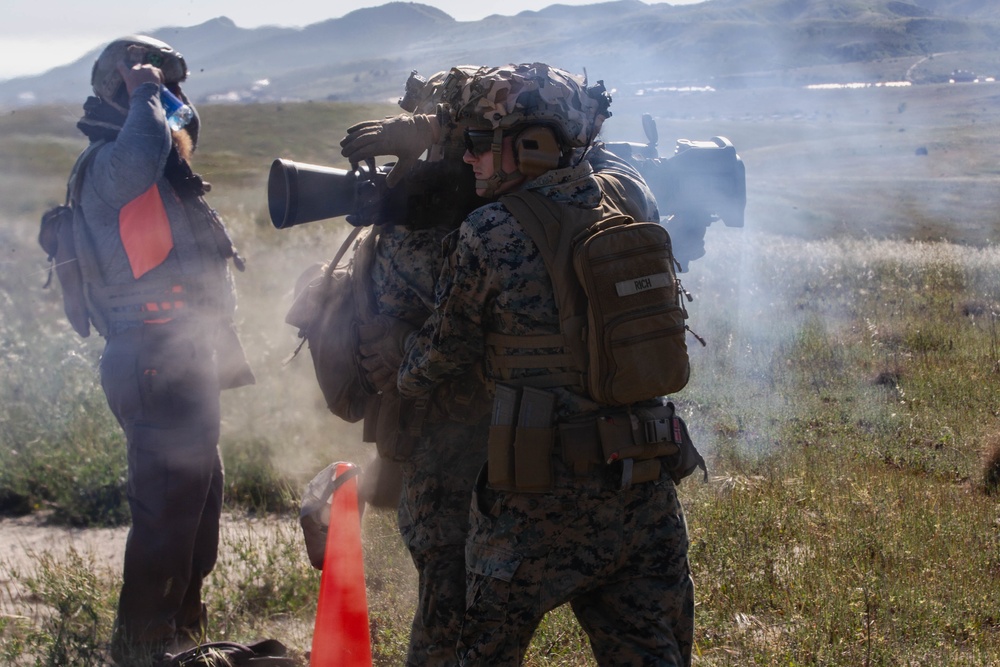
{"points": [[702, 182]]}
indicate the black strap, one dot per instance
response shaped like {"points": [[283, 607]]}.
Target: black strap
{"points": [[75, 181], [263, 653]]}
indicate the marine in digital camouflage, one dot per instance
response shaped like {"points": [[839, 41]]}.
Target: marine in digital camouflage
{"points": [[495, 264], [433, 511], [619, 557]]}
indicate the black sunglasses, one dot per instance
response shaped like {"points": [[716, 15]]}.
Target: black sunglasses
{"points": [[478, 142]]}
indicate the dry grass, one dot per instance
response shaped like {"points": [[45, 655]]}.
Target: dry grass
{"points": [[847, 400]]}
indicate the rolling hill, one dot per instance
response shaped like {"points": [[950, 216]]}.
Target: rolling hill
{"points": [[367, 54]]}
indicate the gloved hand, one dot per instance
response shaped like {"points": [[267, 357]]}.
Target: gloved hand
{"points": [[404, 136], [381, 344]]}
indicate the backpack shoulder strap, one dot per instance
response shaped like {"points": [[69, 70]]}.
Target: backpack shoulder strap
{"points": [[554, 230], [75, 181], [334, 263], [361, 278], [541, 220]]}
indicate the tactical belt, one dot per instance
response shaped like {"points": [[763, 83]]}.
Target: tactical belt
{"points": [[635, 440], [523, 442]]}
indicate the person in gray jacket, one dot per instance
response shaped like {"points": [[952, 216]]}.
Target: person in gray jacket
{"points": [[154, 259]]}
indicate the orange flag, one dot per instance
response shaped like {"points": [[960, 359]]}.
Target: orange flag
{"points": [[145, 231], [341, 637]]}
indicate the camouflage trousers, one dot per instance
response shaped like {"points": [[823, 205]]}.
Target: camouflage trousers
{"points": [[434, 521], [618, 557]]}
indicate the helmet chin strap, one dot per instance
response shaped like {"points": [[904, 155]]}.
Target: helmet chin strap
{"points": [[120, 93], [492, 185]]}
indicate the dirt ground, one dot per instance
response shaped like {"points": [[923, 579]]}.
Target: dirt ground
{"points": [[22, 539]]}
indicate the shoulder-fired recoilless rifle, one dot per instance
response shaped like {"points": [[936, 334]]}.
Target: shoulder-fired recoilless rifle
{"points": [[703, 181]]}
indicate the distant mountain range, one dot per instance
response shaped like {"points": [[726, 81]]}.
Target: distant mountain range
{"points": [[633, 46]]}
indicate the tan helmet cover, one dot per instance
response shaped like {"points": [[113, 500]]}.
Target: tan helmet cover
{"points": [[105, 77], [533, 93], [444, 88], [436, 96]]}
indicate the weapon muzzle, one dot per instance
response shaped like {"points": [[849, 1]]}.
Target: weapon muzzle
{"points": [[298, 192]]}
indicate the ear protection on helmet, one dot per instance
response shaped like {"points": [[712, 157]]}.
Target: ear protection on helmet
{"points": [[537, 150]]}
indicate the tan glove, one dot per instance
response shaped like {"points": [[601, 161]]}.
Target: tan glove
{"points": [[381, 344], [404, 136]]}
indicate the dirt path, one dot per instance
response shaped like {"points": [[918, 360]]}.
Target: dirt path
{"points": [[26, 539]]}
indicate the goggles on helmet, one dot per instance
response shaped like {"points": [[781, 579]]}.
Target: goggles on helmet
{"points": [[171, 64]]}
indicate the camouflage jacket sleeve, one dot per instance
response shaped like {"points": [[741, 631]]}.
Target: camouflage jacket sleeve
{"points": [[407, 264], [493, 281]]}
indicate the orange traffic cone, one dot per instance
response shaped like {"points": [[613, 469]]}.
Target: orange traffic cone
{"points": [[341, 637]]}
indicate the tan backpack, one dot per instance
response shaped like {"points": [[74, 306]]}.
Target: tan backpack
{"points": [[334, 303], [330, 302], [619, 299]]}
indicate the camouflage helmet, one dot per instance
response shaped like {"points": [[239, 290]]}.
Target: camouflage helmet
{"points": [[435, 96], [105, 78], [507, 97], [426, 96]]}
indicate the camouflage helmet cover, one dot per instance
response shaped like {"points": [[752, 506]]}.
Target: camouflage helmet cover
{"points": [[444, 88], [435, 96], [105, 77], [512, 95]]}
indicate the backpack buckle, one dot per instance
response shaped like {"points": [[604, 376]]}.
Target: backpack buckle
{"points": [[659, 430]]}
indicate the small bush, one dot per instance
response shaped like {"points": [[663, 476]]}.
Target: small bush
{"points": [[991, 465]]}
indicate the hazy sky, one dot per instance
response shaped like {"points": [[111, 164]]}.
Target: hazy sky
{"points": [[36, 35]]}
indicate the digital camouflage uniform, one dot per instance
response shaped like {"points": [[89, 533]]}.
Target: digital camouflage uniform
{"points": [[438, 467], [438, 476], [618, 557]]}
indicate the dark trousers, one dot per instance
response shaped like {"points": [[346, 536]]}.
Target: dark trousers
{"points": [[162, 385]]}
